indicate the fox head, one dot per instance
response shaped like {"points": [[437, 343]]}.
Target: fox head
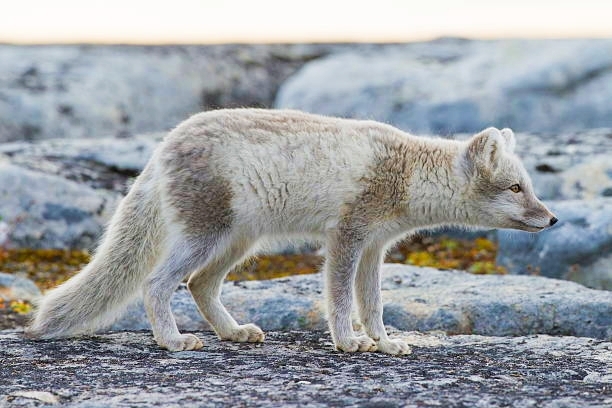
{"points": [[499, 192]]}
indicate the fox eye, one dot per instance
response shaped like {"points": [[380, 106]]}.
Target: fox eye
{"points": [[515, 188]]}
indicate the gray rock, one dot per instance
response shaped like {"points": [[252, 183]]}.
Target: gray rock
{"points": [[415, 298], [13, 287], [295, 368], [92, 91], [441, 87], [578, 248], [103, 163], [568, 165], [278, 304], [47, 211], [450, 86]]}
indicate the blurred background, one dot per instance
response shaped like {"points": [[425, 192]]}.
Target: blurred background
{"points": [[87, 90]]}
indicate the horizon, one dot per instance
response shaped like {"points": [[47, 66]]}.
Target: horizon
{"points": [[139, 22], [169, 43]]}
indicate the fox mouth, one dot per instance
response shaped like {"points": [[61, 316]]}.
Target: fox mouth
{"points": [[527, 227]]}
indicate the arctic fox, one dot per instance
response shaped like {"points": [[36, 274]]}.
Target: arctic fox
{"points": [[223, 181]]}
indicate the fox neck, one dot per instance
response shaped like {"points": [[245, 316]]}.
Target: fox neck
{"points": [[437, 187]]}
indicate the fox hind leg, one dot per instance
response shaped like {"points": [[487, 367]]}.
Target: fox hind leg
{"points": [[182, 258], [205, 287]]}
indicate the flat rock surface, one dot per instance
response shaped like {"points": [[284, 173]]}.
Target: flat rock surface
{"points": [[300, 368]]}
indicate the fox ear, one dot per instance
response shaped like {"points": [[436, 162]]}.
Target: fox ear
{"points": [[508, 135], [484, 150]]}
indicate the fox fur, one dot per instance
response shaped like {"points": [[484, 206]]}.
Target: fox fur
{"points": [[224, 181]]}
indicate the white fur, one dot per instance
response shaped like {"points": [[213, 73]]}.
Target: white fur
{"points": [[357, 185]]}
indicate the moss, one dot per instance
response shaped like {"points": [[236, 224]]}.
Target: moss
{"points": [[16, 306], [46, 267], [50, 267], [476, 256]]}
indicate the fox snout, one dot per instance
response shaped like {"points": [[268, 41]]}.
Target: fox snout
{"points": [[550, 217], [536, 218]]}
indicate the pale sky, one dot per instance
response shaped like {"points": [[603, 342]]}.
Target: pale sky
{"points": [[222, 21]]}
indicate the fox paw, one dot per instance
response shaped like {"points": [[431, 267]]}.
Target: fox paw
{"points": [[394, 346], [353, 344], [183, 342], [246, 333]]}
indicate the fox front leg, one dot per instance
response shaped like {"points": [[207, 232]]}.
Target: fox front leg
{"points": [[343, 253], [369, 301]]}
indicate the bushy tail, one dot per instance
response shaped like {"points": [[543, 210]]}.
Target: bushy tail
{"points": [[97, 295]]}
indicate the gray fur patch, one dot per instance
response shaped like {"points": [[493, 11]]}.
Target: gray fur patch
{"points": [[201, 197]]}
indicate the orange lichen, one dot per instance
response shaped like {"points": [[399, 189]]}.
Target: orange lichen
{"points": [[46, 267], [476, 256], [20, 306], [50, 267]]}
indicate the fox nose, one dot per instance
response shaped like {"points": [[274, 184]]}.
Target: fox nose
{"points": [[553, 221]]}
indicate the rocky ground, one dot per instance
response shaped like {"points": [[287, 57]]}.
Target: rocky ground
{"points": [[300, 368], [297, 367], [442, 87], [10, 319]]}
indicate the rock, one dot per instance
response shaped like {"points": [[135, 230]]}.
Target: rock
{"points": [[13, 287], [104, 163], [442, 87], [415, 298], [277, 304], [451, 86], [297, 368], [84, 91], [569, 165], [578, 248], [47, 211]]}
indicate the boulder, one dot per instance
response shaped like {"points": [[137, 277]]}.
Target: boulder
{"points": [[450, 85], [423, 299], [441, 87], [13, 287], [578, 247], [568, 165], [84, 91], [47, 211], [286, 303], [103, 164]]}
